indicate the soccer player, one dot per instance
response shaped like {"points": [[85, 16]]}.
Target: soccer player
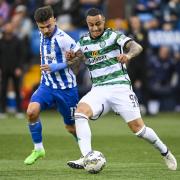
{"points": [[58, 82], [106, 53]]}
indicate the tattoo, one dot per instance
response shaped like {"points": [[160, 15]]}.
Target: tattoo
{"points": [[133, 49], [76, 61], [79, 54]]}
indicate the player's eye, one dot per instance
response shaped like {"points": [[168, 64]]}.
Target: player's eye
{"points": [[49, 26]]}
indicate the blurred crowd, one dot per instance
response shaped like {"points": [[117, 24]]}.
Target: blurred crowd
{"points": [[155, 74]]}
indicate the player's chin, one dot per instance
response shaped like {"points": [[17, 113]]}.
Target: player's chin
{"points": [[96, 34], [47, 34]]}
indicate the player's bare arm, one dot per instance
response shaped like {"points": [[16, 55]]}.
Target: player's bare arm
{"points": [[74, 60], [133, 49], [74, 57]]}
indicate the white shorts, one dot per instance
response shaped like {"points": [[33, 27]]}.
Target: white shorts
{"points": [[118, 98]]}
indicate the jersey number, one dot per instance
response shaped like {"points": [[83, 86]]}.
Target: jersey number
{"points": [[72, 111], [134, 100]]}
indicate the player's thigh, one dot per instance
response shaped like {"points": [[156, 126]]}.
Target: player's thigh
{"points": [[43, 96], [96, 99], [125, 103], [66, 101]]}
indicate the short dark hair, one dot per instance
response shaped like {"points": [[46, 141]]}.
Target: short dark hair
{"points": [[94, 12], [43, 13]]}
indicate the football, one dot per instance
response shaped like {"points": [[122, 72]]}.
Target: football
{"points": [[94, 162]]}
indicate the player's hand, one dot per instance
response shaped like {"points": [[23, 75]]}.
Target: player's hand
{"points": [[45, 67], [123, 58], [70, 55]]}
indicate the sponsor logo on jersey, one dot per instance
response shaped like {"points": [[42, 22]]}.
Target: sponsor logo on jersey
{"points": [[50, 57], [97, 59], [94, 54]]}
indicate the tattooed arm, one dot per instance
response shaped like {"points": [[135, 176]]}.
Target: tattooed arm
{"points": [[133, 49], [74, 60]]}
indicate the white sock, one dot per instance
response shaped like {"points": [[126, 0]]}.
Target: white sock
{"points": [[83, 132], [149, 134], [38, 146]]}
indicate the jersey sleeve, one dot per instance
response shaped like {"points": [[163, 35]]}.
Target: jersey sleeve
{"points": [[78, 44], [70, 44], [122, 39]]}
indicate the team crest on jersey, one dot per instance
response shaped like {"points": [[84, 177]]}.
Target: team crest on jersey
{"points": [[94, 54], [102, 44]]}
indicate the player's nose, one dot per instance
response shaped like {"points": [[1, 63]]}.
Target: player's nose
{"points": [[95, 28]]}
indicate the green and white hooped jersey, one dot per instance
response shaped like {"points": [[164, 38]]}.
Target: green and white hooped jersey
{"points": [[101, 55]]}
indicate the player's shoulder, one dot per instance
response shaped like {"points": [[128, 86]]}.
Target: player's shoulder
{"points": [[109, 30], [60, 33], [115, 32], [120, 35], [84, 37]]}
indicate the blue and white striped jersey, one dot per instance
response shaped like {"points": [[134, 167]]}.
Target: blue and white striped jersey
{"points": [[52, 50]]}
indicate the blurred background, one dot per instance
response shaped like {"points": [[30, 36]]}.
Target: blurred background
{"points": [[155, 24]]}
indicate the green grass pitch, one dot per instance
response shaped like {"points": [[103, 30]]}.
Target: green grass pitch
{"points": [[128, 157]]}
